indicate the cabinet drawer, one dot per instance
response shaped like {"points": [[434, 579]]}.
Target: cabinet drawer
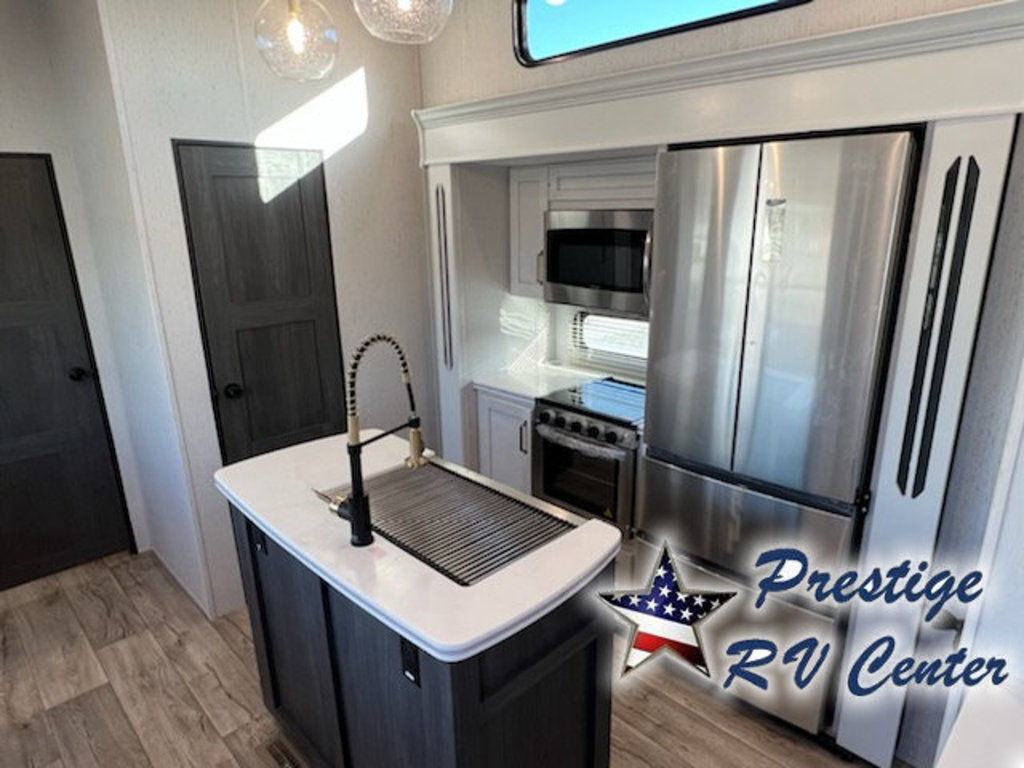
{"points": [[729, 525]]}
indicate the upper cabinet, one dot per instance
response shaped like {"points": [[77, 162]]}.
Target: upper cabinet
{"points": [[533, 190], [528, 196], [605, 184]]}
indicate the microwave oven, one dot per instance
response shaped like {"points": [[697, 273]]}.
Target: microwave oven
{"points": [[598, 260]]}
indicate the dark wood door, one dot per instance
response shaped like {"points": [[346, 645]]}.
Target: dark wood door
{"points": [[286, 606], [60, 496], [261, 258]]}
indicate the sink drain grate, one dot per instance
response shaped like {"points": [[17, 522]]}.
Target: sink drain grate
{"points": [[465, 530]]}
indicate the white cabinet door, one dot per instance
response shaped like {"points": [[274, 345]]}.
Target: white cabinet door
{"points": [[959, 198], [528, 197], [444, 278], [504, 438], [627, 183]]}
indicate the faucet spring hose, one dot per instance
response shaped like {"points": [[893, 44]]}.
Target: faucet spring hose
{"points": [[357, 357]]}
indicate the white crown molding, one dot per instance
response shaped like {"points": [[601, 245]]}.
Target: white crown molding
{"points": [[943, 32]]}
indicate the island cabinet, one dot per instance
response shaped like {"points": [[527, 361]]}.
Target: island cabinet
{"points": [[351, 691], [291, 637]]}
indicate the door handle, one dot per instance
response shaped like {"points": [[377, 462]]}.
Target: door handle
{"points": [[648, 250], [947, 621], [79, 374], [522, 437], [540, 267], [233, 391], [441, 203]]}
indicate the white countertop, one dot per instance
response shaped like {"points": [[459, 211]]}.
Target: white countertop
{"points": [[535, 380], [448, 621]]}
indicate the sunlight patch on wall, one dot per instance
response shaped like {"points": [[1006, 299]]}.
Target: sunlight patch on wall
{"points": [[328, 123]]}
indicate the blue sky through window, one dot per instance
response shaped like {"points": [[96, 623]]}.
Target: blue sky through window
{"points": [[556, 27]]}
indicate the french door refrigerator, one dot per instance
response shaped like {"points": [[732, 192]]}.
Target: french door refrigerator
{"points": [[773, 284]]}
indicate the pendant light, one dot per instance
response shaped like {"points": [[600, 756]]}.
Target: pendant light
{"points": [[413, 22], [297, 38]]}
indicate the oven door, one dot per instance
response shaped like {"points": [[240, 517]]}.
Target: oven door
{"points": [[598, 260], [584, 476]]}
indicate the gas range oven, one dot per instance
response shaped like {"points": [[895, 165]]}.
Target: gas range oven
{"points": [[585, 441]]}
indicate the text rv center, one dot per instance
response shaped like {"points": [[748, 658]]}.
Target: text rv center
{"points": [[874, 666]]}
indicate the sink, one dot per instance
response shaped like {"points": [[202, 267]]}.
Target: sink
{"points": [[460, 527]]}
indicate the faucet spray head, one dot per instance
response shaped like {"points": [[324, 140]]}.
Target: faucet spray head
{"points": [[416, 458]]}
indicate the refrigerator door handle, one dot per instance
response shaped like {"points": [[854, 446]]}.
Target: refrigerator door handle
{"points": [[648, 250]]}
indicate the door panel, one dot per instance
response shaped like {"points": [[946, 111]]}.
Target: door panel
{"points": [[703, 229], [261, 257], [265, 256], [904, 520], [828, 226], [61, 496], [287, 608], [280, 367], [504, 440]]}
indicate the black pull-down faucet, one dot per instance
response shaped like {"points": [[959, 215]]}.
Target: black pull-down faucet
{"points": [[356, 508]]}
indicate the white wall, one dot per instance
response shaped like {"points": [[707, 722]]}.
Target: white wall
{"points": [[1001, 630], [473, 58], [190, 70], [37, 115]]}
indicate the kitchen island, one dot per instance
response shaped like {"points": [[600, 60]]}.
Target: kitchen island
{"points": [[370, 656]]}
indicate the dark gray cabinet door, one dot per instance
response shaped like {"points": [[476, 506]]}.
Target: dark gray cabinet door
{"points": [[60, 496], [261, 258], [287, 607]]}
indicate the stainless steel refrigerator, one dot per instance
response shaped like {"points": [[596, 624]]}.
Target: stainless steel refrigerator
{"points": [[773, 283]]}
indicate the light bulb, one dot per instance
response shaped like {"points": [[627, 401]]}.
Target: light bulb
{"points": [[404, 21], [296, 35], [297, 38]]}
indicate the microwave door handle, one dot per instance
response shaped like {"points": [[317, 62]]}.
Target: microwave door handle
{"points": [[648, 249], [540, 266]]}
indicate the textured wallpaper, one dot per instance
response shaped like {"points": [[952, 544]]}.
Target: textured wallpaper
{"points": [[474, 59]]}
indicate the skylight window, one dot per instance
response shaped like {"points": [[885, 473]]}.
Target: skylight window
{"points": [[548, 30]]}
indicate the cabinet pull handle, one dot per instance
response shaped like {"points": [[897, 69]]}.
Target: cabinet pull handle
{"points": [[540, 266], [446, 298], [522, 437]]}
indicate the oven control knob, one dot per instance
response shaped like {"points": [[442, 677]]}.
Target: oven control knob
{"points": [[560, 421], [611, 437], [593, 432], [545, 417], [576, 426]]}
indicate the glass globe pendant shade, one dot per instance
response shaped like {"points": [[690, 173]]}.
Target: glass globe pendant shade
{"points": [[404, 21], [297, 38]]}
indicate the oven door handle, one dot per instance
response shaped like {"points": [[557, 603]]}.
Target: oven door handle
{"points": [[587, 448]]}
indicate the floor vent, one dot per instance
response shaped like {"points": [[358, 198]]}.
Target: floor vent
{"points": [[282, 755]]}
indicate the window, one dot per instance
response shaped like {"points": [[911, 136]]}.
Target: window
{"points": [[547, 30], [609, 343]]}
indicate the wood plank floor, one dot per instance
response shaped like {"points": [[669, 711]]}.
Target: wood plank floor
{"points": [[111, 664]]}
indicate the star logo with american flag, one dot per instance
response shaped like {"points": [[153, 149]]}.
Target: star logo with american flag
{"points": [[665, 617]]}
